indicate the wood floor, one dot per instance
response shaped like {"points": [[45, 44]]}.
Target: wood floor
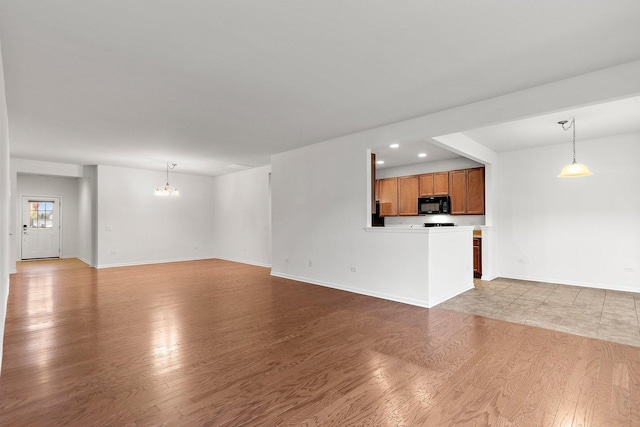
{"points": [[225, 344]]}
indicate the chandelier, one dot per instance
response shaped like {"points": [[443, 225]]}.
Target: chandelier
{"points": [[167, 189]]}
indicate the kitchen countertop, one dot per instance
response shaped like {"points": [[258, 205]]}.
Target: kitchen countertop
{"points": [[419, 229]]}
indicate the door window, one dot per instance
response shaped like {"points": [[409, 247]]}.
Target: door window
{"points": [[40, 214]]}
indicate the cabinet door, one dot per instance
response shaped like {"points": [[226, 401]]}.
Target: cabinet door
{"points": [[388, 196], [408, 195], [475, 191], [374, 190], [477, 257], [441, 183], [426, 184], [458, 192]]}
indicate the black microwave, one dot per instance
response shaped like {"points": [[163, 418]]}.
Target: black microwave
{"points": [[433, 205]]}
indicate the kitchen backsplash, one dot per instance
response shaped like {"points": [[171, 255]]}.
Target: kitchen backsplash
{"points": [[419, 220]]}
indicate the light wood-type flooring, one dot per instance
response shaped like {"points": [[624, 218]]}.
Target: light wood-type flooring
{"points": [[224, 344]]}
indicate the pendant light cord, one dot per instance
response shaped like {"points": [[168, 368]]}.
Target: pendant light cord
{"points": [[574, 169], [571, 125]]}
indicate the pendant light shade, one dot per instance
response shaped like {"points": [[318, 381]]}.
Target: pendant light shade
{"points": [[575, 169], [167, 189]]}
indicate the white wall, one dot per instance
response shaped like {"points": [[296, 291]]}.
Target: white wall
{"points": [[87, 210], [582, 231], [67, 189], [241, 216], [320, 192], [136, 227], [319, 199], [31, 167], [5, 195], [84, 220]]}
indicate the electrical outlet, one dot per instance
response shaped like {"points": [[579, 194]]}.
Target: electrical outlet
{"points": [[310, 263], [114, 253], [629, 269], [286, 260], [521, 261], [354, 269]]}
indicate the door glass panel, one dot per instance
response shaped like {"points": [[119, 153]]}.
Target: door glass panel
{"points": [[41, 214]]}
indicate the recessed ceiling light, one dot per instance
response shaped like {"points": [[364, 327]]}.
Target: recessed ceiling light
{"points": [[380, 162], [422, 155], [394, 145]]}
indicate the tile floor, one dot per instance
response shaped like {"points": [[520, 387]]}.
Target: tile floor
{"points": [[595, 313]]}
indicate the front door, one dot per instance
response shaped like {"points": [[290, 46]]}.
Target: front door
{"points": [[40, 227]]}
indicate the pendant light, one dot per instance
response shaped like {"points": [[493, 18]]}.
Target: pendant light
{"points": [[168, 190], [574, 169]]}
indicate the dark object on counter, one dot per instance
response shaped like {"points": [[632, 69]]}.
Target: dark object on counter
{"points": [[376, 219], [439, 224]]}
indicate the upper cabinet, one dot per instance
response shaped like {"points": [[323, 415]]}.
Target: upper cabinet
{"points": [[408, 195], [458, 195], [388, 196], [399, 196], [466, 189], [434, 184], [475, 191]]}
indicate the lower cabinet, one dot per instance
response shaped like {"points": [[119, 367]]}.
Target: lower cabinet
{"points": [[477, 257]]}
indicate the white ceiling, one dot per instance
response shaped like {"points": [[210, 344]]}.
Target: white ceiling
{"points": [[595, 121], [208, 84], [592, 122], [407, 153]]}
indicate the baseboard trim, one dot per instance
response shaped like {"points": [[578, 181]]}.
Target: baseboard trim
{"points": [[85, 261], [242, 261], [452, 294], [381, 295], [164, 261], [571, 283]]}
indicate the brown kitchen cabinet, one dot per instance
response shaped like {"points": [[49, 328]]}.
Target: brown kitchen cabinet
{"points": [[388, 196], [466, 189], [374, 183], [408, 192], [475, 191], [477, 257], [441, 183], [434, 184]]}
